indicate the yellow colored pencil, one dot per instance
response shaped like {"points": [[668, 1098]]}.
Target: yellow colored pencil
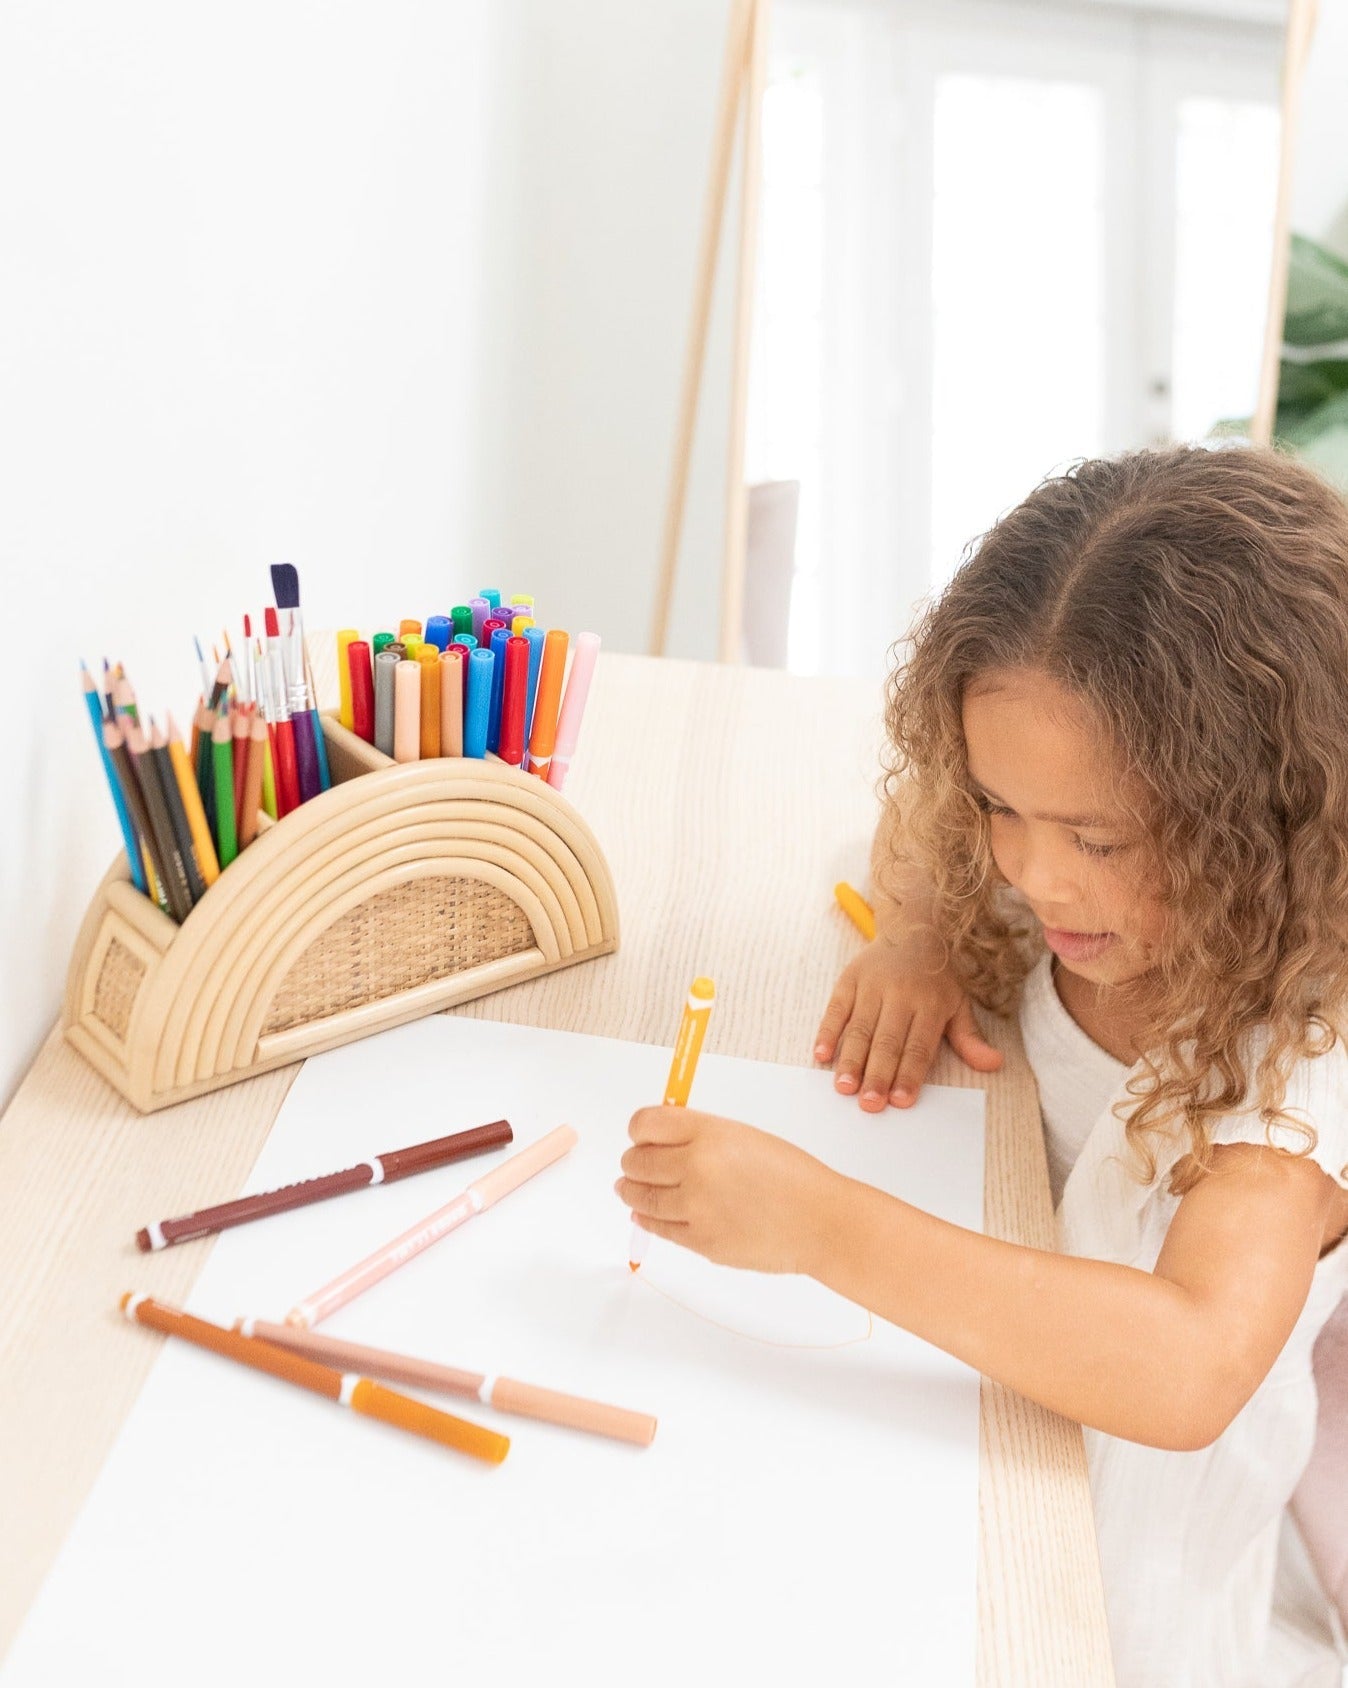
{"points": [[202, 842]]}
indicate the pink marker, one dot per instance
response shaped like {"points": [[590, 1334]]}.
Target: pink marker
{"points": [[573, 707], [480, 1195]]}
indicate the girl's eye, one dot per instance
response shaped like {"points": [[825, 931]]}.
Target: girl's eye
{"points": [[990, 808], [1090, 849]]}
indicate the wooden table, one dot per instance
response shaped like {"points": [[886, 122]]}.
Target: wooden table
{"points": [[728, 801]]}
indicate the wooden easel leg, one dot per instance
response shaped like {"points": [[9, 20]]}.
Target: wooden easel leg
{"points": [[734, 69], [737, 497]]}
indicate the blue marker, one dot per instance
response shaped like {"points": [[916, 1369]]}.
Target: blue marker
{"points": [[535, 636], [498, 645], [492, 596], [480, 665], [438, 630], [467, 640]]}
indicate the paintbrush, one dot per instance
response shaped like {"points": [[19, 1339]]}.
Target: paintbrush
{"points": [[285, 583]]}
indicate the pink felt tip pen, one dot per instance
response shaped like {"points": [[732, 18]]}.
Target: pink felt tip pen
{"points": [[483, 1193], [573, 707]]}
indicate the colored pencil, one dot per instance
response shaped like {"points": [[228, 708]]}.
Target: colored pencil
{"points": [[203, 845], [177, 814], [687, 1047], [384, 1168], [168, 859], [251, 802], [130, 843], [526, 1400], [362, 1395], [226, 837], [481, 1194]]}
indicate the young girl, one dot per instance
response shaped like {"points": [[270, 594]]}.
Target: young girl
{"points": [[1119, 797]]}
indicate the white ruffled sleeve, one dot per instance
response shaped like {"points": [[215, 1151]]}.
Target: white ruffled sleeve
{"points": [[1317, 1098]]}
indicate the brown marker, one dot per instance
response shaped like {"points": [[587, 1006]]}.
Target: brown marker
{"points": [[382, 1169]]}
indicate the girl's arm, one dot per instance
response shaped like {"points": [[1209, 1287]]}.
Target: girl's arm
{"points": [[1166, 1357]]}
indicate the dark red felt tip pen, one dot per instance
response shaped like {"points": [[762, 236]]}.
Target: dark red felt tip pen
{"points": [[381, 1169]]}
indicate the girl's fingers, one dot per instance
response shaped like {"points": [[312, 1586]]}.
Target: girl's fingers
{"points": [[919, 1051], [649, 1201], [653, 1163], [969, 1043], [887, 1045], [855, 1043], [660, 1125], [836, 1016]]}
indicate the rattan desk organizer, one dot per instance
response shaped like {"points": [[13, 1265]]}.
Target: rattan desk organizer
{"points": [[404, 889]]}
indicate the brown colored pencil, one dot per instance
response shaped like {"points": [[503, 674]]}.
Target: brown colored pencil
{"points": [[252, 785], [177, 814], [174, 875], [114, 738], [381, 1169], [526, 1400]]}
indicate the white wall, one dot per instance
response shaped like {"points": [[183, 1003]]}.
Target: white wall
{"points": [[1320, 185], [397, 293]]}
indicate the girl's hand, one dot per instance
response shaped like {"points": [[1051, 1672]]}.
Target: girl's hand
{"points": [[739, 1196], [885, 1020]]}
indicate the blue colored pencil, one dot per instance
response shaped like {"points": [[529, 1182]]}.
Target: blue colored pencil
{"points": [[129, 839]]}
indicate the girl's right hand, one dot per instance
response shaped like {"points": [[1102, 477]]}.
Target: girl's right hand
{"points": [[885, 1020]]}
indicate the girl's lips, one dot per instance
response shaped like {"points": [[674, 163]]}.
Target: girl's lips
{"points": [[1078, 946]]}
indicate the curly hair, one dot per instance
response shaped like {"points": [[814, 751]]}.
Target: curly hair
{"points": [[1196, 603]]}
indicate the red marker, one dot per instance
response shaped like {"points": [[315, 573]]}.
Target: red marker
{"points": [[510, 746], [362, 689]]}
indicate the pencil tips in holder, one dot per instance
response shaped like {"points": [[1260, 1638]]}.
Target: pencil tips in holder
{"points": [[404, 889]]}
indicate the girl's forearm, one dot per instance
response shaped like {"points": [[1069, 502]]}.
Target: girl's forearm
{"points": [[1113, 1347]]}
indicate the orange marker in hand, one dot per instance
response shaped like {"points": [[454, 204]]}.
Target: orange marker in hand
{"points": [[687, 1048]]}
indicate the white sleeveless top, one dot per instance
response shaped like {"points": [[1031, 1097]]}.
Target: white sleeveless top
{"points": [[1189, 1542]]}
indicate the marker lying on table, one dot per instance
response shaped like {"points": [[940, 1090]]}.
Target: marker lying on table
{"points": [[359, 1393], [481, 1194], [507, 1395], [379, 1169], [857, 909], [687, 1048]]}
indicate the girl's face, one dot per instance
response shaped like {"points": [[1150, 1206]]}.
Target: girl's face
{"points": [[1059, 833]]}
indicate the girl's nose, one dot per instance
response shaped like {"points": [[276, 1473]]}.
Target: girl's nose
{"points": [[1046, 875]]}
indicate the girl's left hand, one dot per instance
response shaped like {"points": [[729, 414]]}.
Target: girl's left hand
{"points": [[738, 1195]]}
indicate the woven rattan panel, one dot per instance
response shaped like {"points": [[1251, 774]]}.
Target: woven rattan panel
{"points": [[398, 939], [115, 993]]}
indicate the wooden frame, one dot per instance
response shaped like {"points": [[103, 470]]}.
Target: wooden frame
{"points": [[1301, 16], [739, 104]]}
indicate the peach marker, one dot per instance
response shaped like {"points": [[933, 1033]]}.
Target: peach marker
{"points": [[480, 1195]]}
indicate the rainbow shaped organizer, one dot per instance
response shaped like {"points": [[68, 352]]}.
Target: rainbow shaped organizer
{"points": [[406, 888]]}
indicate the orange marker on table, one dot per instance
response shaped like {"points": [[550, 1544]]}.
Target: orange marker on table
{"points": [[359, 1393], [856, 908], [687, 1048]]}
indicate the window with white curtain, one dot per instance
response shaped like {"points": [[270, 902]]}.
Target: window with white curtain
{"points": [[997, 235]]}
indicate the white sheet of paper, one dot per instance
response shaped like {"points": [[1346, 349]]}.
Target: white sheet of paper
{"points": [[806, 1513]]}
